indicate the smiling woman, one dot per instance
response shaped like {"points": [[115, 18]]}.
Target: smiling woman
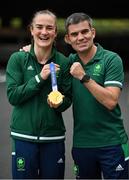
{"points": [[28, 85]]}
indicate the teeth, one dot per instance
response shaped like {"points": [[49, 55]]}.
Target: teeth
{"points": [[43, 38]]}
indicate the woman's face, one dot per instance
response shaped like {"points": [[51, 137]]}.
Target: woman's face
{"points": [[44, 30]]}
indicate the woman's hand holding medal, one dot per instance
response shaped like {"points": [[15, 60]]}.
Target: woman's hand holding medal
{"points": [[45, 72]]}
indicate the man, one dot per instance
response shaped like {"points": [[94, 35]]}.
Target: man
{"points": [[100, 143]]}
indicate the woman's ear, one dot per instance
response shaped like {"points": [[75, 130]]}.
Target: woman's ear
{"points": [[31, 30]]}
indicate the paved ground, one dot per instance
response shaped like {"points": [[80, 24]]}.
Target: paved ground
{"points": [[5, 148]]}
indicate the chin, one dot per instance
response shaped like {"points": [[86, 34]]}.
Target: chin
{"points": [[81, 50], [44, 45]]}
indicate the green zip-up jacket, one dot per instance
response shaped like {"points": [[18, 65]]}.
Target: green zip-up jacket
{"points": [[32, 119]]}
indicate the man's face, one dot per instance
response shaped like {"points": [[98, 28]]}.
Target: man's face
{"points": [[80, 36]]}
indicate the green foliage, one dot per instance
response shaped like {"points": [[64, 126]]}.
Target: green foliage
{"points": [[111, 26], [104, 26], [16, 22]]}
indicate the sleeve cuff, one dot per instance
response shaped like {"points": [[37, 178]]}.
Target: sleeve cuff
{"points": [[38, 78]]}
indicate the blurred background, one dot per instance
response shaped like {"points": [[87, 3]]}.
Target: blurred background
{"points": [[111, 20]]}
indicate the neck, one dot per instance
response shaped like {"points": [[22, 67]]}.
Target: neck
{"points": [[42, 54]]}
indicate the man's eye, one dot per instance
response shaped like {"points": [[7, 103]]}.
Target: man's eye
{"points": [[74, 34], [86, 31]]}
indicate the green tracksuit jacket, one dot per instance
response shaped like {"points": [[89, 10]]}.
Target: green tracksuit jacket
{"points": [[32, 119]]}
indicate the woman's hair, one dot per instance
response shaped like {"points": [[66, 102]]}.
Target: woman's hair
{"points": [[46, 11]]}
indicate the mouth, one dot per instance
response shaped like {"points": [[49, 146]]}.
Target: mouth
{"points": [[43, 38], [81, 45]]}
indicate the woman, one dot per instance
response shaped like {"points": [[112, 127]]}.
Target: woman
{"points": [[37, 129]]}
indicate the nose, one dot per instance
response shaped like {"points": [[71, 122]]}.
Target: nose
{"points": [[80, 36], [44, 30]]}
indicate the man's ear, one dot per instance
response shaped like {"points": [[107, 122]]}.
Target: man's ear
{"points": [[66, 39], [93, 32]]}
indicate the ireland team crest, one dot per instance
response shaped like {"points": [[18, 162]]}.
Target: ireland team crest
{"points": [[97, 69], [76, 170], [20, 164]]}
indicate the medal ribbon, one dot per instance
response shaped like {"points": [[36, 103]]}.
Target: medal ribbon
{"points": [[53, 77]]}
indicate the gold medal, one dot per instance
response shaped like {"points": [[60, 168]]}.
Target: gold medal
{"points": [[55, 97]]}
